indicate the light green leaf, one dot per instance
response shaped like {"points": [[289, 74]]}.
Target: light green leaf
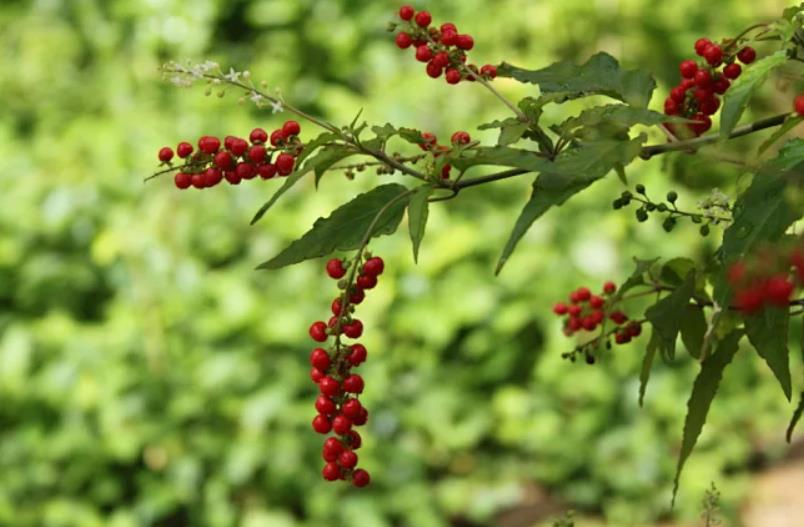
{"points": [[767, 331], [666, 315], [347, 226], [326, 157], [610, 121], [417, 217], [791, 122]]}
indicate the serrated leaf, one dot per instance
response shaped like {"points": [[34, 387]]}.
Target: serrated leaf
{"points": [[610, 120], [647, 364], [767, 331], [501, 156], [511, 130], [418, 210], [703, 392], [600, 75], [791, 122], [693, 328], [736, 100], [794, 420], [347, 226], [666, 315], [326, 157], [571, 172]]}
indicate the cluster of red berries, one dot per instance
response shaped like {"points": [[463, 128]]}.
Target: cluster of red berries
{"points": [[696, 97], [339, 409], [770, 280], [238, 159], [443, 49], [798, 105], [586, 311], [430, 144]]}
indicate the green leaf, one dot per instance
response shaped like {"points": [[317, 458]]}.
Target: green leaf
{"points": [[636, 279], [791, 122], [610, 120], [347, 226], [647, 364], [600, 75], [310, 147], [676, 270], [693, 329], [326, 157], [739, 95], [417, 217], [794, 420], [666, 315], [511, 130], [572, 171], [703, 392], [501, 156], [790, 155], [767, 331]]}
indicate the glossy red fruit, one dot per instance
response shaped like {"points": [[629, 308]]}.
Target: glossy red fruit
{"points": [[709, 106], [266, 170], [360, 478], [165, 154], [257, 153], [703, 79], [671, 107], [336, 307], [347, 459], [701, 44], [331, 471], [284, 163], [316, 375], [701, 94], [366, 281], [277, 138], [747, 55], [441, 59], [433, 70], [325, 405], [423, 18], [224, 160], [353, 329], [574, 310], [353, 384], [198, 181], [182, 180], [688, 68], [449, 37], [212, 176], [560, 309], [489, 71], [453, 76], [749, 300], [209, 144], [622, 337], [588, 323], [798, 104], [678, 94], [258, 135], [584, 294], [357, 355], [713, 55], [322, 424], [778, 290], [609, 287], [634, 329], [335, 268], [403, 40], [332, 448], [732, 71], [232, 177], [357, 296], [618, 317], [341, 424], [351, 408], [329, 386], [374, 266], [406, 12], [465, 42], [245, 170], [702, 123], [361, 419], [184, 149], [596, 302], [460, 138], [318, 331], [424, 53], [721, 85], [319, 358], [291, 128], [353, 439]]}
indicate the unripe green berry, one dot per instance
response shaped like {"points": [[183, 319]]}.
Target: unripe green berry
{"points": [[672, 196], [640, 188], [704, 230], [617, 204], [661, 207], [641, 214], [650, 206], [668, 224]]}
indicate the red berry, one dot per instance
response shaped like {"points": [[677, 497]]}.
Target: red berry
{"points": [[584, 294], [736, 273], [449, 37], [325, 405], [460, 138], [366, 281], [184, 149], [598, 315], [284, 163], [353, 384], [347, 459], [453, 76], [713, 54], [778, 289], [257, 153], [358, 354], [374, 266], [353, 329], [686, 84], [574, 324], [588, 323], [721, 85], [357, 296], [277, 138], [433, 70], [232, 177], [709, 106], [165, 154], [212, 177], [362, 418], [596, 302], [560, 309], [318, 331], [703, 79], [732, 71], [798, 104], [245, 170], [329, 386], [747, 55], [331, 471], [489, 71], [319, 358], [671, 107], [702, 123], [199, 181], [266, 170], [465, 42], [445, 170], [341, 424], [688, 69], [360, 478], [209, 144], [291, 128], [423, 18], [182, 180], [701, 44], [335, 268], [678, 94], [622, 337], [351, 408], [609, 287], [618, 317], [423, 53], [224, 159], [701, 94], [574, 310], [258, 135], [316, 375], [322, 424], [406, 12], [238, 146], [336, 307], [332, 446], [441, 59], [749, 300], [403, 40], [353, 439]]}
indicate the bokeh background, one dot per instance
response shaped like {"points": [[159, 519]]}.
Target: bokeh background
{"points": [[150, 377]]}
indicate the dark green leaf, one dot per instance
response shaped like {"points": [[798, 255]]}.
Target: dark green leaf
{"points": [[790, 156], [417, 217], [794, 420], [600, 75], [767, 331], [572, 171], [647, 364], [511, 130], [610, 121], [791, 122], [347, 226], [693, 329], [675, 271], [666, 315], [636, 279], [739, 95], [703, 392], [326, 157], [501, 156]]}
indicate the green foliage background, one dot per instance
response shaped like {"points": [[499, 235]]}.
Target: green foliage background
{"points": [[149, 376]]}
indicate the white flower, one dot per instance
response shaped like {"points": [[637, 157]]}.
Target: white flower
{"points": [[276, 106], [256, 97], [232, 76]]}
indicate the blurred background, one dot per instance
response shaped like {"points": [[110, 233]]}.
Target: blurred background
{"points": [[150, 377]]}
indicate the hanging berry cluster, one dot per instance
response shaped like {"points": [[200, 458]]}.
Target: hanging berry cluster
{"points": [[339, 409], [430, 144], [238, 160], [696, 97], [443, 49], [768, 279]]}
